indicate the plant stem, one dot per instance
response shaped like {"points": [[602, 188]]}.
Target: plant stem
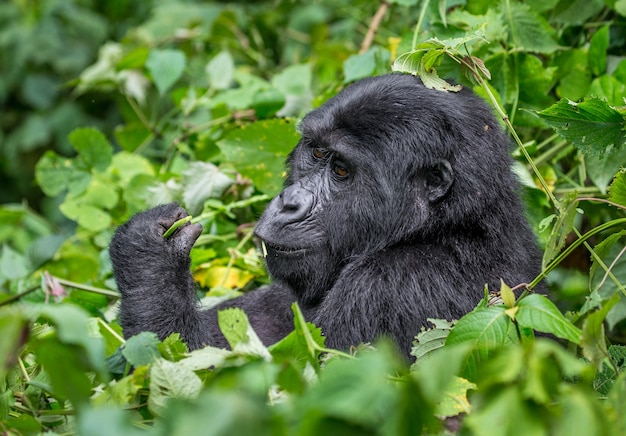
{"points": [[88, 288]]}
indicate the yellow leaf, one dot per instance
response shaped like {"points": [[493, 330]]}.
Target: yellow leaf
{"points": [[455, 398], [508, 297], [217, 275]]}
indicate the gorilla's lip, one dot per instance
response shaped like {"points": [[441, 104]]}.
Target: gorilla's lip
{"points": [[282, 249]]}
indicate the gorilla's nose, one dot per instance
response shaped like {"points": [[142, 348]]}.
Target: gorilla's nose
{"points": [[297, 202]]}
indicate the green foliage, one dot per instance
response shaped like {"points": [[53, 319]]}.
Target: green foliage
{"points": [[198, 103]]}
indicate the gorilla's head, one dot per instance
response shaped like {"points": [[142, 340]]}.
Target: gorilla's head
{"points": [[385, 162]]}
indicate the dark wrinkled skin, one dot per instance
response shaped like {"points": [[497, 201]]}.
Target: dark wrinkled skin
{"points": [[400, 205]]}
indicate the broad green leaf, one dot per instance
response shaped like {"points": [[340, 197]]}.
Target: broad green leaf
{"points": [[539, 313], [221, 70], [170, 380], [530, 31], [602, 168], [598, 51], [373, 62], [485, 330], [90, 217], [130, 136], [141, 349], [617, 190], [55, 174], [591, 125], [92, 146], [574, 74], [259, 150], [234, 325], [237, 330], [166, 67], [609, 89], [125, 166], [201, 181]]}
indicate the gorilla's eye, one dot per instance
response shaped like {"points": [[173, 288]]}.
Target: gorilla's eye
{"points": [[340, 171], [319, 153]]}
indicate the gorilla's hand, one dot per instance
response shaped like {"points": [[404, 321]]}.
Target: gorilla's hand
{"points": [[141, 240]]}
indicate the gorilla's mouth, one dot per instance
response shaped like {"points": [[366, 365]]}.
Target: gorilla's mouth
{"points": [[268, 248]]}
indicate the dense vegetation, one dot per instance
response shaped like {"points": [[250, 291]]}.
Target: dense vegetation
{"points": [[110, 107]]}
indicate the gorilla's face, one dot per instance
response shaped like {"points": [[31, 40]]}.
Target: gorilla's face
{"points": [[356, 184]]}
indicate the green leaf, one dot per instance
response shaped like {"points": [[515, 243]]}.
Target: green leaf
{"points": [[530, 31], [221, 70], [166, 67], [562, 228], [432, 339], [141, 349], [609, 89], [205, 358], [258, 151], [598, 51], [374, 61], [125, 166], [539, 313], [602, 168], [238, 332], [90, 217], [170, 380], [593, 339], [617, 190], [485, 330], [13, 334], [592, 126], [13, 265], [54, 174], [131, 136], [92, 146], [617, 396], [201, 181], [611, 251]]}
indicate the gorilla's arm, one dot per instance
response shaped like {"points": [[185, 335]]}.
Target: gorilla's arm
{"points": [[158, 292]]}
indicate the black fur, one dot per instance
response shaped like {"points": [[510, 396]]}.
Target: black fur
{"points": [[400, 205]]}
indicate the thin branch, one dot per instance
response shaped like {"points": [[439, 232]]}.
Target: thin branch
{"points": [[371, 32]]}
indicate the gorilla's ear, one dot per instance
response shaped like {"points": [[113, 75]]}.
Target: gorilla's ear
{"points": [[439, 181]]}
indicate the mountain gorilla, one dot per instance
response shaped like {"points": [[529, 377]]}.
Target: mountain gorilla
{"points": [[400, 205]]}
